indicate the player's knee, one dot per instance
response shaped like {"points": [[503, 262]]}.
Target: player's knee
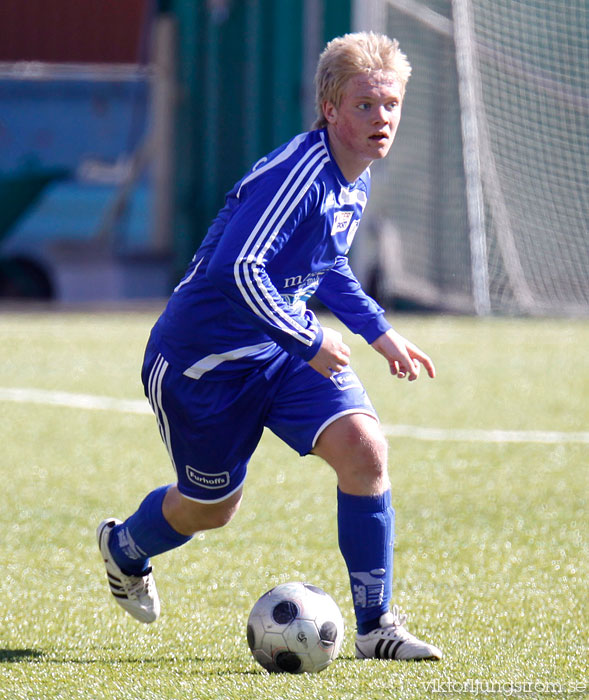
{"points": [[366, 475], [215, 515], [357, 450], [372, 459], [366, 445], [379, 448], [224, 515], [188, 516]]}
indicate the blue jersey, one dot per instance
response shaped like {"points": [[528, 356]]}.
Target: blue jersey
{"points": [[282, 236]]}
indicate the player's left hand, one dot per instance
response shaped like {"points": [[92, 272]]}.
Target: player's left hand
{"points": [[404, 358]]}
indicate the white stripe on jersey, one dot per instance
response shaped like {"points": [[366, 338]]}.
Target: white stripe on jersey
{"points": [[282, 156], [206, 364], [250, 259], [190, 276]]}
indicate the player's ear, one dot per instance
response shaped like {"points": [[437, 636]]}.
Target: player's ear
{"points": [[329, 112]]}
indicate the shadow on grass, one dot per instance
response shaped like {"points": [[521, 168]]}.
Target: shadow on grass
{"points": [[16, 655], [210, 667]]}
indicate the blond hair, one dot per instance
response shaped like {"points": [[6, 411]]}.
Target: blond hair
{"points": [[352, 54]]}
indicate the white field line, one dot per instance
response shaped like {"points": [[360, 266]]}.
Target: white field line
{"points": [[476, 435], [64, 398], [140, 406]]}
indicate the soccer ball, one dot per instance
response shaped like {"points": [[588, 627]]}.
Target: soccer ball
{"points": [[295, 628]]}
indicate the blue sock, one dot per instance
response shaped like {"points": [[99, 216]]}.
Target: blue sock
{"points": [[144, 534], [366, 526]]}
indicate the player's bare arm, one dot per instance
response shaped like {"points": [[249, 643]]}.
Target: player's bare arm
{"points": [[405, 359], [333, 355]]}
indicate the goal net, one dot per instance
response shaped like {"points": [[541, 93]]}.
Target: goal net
{"points": [[483, 204]]}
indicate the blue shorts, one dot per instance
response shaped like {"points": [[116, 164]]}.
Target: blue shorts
{"points": [[211, 428]]}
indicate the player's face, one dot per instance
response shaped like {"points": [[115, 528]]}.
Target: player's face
{"points": [[363, 127]]}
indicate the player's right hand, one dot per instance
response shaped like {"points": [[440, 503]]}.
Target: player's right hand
{"points": [[332, 356]]}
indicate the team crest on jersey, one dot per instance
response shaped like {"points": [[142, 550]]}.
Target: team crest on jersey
{"points": [[341, 221]]}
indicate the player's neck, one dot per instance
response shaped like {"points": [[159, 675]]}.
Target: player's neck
{"points": [[350, 164]]}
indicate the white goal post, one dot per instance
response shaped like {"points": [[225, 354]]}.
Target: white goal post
{"points": [[483, 204]]}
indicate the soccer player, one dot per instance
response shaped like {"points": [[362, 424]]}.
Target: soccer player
{"points": [[236, 349]]}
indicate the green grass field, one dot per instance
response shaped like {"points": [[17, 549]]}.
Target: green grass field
{"points": [[491, 558]]}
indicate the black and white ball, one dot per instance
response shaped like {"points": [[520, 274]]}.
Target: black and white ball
{"points": [[295, 628]]}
